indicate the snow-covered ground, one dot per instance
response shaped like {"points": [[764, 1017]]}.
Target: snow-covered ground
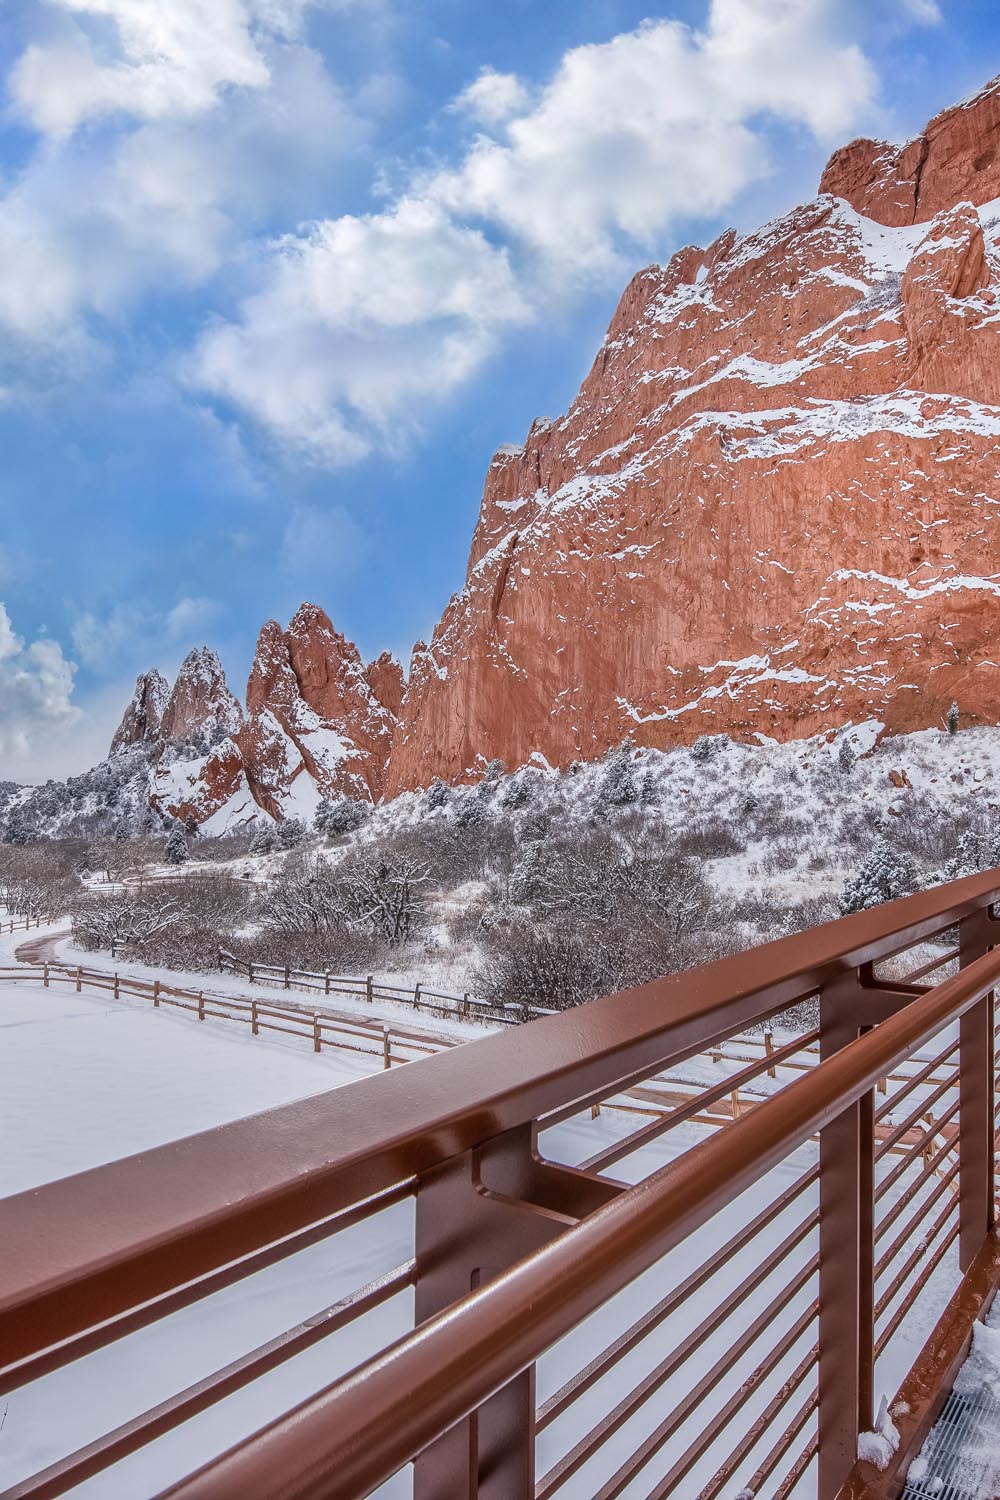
{"points": [[84, 1080]]}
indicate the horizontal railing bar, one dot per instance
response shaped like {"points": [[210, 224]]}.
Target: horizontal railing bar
{"points": [[675, 1298], [915, 1289], [913, 1223], [781, 1447], [889, 1181], [928, 1170], [685, 1112], [936, 963], [762, 1424], [885, 1298], [913, 1082], [110, 1449], [59, 1355], [362, 1429], [918, 1113], [586, 1446], [721, 1419], [795, 1473], [693, 1399]]}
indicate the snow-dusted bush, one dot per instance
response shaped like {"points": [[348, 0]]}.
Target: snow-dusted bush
{"points": [[289, 833], [123, 918], [617, 786], [336, 816], [263, 840], [883, 875], [176, 851], [437, 794], [517, 792], [951, 719]]}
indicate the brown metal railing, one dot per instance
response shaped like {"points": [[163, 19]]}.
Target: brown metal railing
{"points": [[751, 1351]]}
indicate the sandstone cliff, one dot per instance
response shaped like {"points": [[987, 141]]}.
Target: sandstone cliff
{"points": [[772, 507]]}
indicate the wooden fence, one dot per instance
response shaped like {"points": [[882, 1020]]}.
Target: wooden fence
{"points": [[435, 1002], [21, 924], [389, 1043]]}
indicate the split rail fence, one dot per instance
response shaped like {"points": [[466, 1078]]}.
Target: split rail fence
{"points": [[612, 1306], [419, 996], [383, 1040]]}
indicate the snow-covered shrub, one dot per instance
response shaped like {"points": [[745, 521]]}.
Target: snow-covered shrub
{"points": [[883, 875], [437, 794], [473, 808], [336, 816], [517, 792], [122, 918], [289, 833], [176, 851], [263, 840], [706, 747], [951, 719], [617, 786]]}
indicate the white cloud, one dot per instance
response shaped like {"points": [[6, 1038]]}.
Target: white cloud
{"points": [[104, 642], [320, 541], [923, 12], [36, 686], [492, 97], [172, 58], [189, 616], [361, 320]]}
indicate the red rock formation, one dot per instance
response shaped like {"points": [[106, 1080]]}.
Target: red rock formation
{"points": [[200, 703], [140, 723], [772, 508]]}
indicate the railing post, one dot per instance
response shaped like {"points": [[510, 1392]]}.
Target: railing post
{"points": [[369, 986], [117, 991], [288, 977], [45, 976], [79, 979], [386, 1049], [478, 1214], [156, 993], [253, 1018], [201, 1005], [976, 1102], [416, 995], [326, 986], [846, 1259], [317, 1042]]}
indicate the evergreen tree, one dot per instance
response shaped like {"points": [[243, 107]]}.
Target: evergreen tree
{"points": [[289, 832], [846, 757], [263, 840], [617, 786], [883, 875], [437, 794], [176, 851], [191, 826], [339, 815], [951, 719]]}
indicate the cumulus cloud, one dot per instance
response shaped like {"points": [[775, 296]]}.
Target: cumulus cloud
{"points": [[358, 321], [36, 687], [98, 219], [492, 97]]}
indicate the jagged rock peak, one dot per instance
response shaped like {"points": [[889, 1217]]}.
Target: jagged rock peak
{"points": [[200, 703], [140, 723], [956, 157]]}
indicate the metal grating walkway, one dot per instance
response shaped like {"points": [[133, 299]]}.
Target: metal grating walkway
{"points": [[962, 1452]]}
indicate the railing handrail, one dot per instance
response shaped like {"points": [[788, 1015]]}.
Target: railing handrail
{"points": [[354, 1435], [146, 1224]]}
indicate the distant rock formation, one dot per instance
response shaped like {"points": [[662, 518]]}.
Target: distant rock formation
{"points": [[140, 723]]}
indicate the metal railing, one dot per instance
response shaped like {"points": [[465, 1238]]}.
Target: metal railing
{"points": [[722, 1314]]}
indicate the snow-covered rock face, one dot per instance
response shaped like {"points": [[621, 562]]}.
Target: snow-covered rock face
{"points": [[772, 508], [200, 703], [318, 723], [140, 723]]}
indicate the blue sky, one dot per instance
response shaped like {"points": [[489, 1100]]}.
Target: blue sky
{"points": [[277, 277]]}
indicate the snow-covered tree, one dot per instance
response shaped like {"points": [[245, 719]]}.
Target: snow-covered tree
{"points": [[472, 810], [951, 719], [263, 841], [846, 757], [437, 794], [517, 792], [289, 832], [617, 786], [176, 851], [339, 815], [883, 875]]}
